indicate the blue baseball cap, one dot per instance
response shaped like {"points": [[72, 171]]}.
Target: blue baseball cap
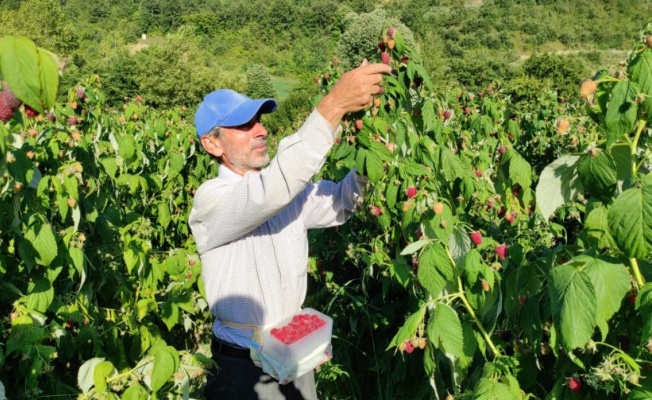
{"points": [[226, 108]]}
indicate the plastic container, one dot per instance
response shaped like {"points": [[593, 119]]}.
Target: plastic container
{"points": [[306, 347]]}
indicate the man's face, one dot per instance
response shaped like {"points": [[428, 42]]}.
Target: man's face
{"points": [[242, 148]]}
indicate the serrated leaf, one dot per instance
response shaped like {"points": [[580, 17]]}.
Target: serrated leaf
{"points": [[488, 389], [558, 184], [429, 115], [39, 294], [640, 71], [459, 244], [573, 305], [630, 220], [374, 167], [166, 362], [428, 275], [445, 330], [85, 373], [596, 225], [598, 174], [610, 282], [473, 266], [41, 236], [621, 110]]}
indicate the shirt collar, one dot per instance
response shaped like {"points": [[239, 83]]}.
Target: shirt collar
{"points": [[227, 174]]}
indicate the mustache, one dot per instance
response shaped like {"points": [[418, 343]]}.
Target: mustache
{"points": [[259, 143]]}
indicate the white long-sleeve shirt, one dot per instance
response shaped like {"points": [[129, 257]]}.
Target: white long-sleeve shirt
{"points": [[251, 230]]}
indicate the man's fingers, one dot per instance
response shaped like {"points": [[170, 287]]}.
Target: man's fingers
{"points": [[364, 62]]}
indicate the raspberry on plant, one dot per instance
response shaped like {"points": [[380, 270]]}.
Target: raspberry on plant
{"points": [[574, 385], [476, 237], [501, 251], [391, 32], [587, 89], [411, 192], [447, 114], [358, 124], [12, 101], [438, 208], [5, 111], [30, 112], [385, 58]]}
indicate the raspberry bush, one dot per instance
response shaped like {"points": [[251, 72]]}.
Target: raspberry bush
{"points": [[503, 250]]}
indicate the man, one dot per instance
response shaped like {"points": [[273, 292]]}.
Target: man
{"points": [[250, 223]]}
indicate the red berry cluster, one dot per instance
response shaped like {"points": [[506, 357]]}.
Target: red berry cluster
{"points": [[300, 326]]}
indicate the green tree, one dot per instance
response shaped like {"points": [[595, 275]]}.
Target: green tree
{"points": [[360, 36], [44, 22], [259, 82], [563, 74]]}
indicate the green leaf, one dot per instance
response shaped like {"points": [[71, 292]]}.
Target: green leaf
{"points": [[408, 329], [166, 362], [622, 156], [558, 184], [163, 215], [598, 174], [459, 244], [136, 392], [144, 307], [170, 314], [630, 220], [488, 389], [31, 72], [39, 294], [596, 225], [49, 76], [621, 110], [428, 275], [520, 171], [102, 371], [644, 306], [374, 170], [450, 165], [445, 330], [85, 374], [573, 305], [41, 236], [610, 282], [473, 266], [414, 247], [640, 71]]}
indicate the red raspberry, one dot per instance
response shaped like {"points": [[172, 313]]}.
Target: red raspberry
{"points": [[385, 58], [501, 251], [10, 98], [476, 237], [5, 111], [574, 385], [411, 192], [30, 112], [408, 347]]}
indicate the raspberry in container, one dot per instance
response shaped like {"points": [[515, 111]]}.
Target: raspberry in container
{"points": [[296, 345]]}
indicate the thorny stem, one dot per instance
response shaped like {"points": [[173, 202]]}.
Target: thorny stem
{"points": [[475, 318]]}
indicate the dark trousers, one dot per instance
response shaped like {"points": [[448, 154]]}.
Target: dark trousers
{"points": [[238, 378]]}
